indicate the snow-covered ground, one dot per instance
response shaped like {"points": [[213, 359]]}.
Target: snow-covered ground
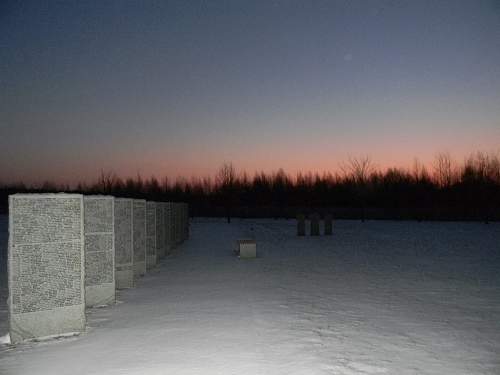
{"points": [[376, 298]]}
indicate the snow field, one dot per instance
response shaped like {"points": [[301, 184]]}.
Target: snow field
{"points": [[378, 297]]}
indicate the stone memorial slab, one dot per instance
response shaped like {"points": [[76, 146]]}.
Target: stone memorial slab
{"points": [[172, 228], [314, 225], [179, 223], [186, 221], [180, 235], [301, 225], [99, 250], [174, 224], [165, 207], [328, 225], [139, 236], [168, 228], [46, 266], [151, 259], [171, 225], [124, 253], [160, 230]]}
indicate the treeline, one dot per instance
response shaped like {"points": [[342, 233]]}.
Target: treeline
{"points": [[444, 191]]}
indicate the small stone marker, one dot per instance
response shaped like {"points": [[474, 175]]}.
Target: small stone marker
{"points": [[301, 225], [328, 225], [314, 225], [151, 259], [124, 253], [139, 236], [99, 250], [46, 265], [248, 248]]}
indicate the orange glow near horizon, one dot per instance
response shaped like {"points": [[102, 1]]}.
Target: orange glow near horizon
{"points": [[205, 164]]}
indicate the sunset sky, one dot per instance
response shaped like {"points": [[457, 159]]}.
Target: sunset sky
{"points": [[177, 87]]}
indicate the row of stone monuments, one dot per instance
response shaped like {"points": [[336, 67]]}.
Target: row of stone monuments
{"points": [[70, 251], [314, 220]]}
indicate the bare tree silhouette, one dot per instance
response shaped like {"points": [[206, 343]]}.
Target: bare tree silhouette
{"points": [[467, 191], [225, 180], [106, 181], [443, 169], [359, 170]]}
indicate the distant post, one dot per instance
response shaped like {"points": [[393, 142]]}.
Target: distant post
{"points": [[301, 225], [328, 225], [314, 225]]}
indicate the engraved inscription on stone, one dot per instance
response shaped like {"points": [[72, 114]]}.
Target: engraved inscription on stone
{"points": [[98, 259], [164, 232], [151, 228], [168, 226], [151, 246], [45, 252], [139, 229], [160, 229], [176, 222], [47, 276], [187, 221], [185, 218], [123, 231], [46, 220], [99, 240], [98, 214], [173, 225]]}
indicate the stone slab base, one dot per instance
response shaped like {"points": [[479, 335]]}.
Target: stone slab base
{"points": [[42, 324], [139, 269], [124, 279], [162, 253], [151, 262], [98, 295], [169, 248]]}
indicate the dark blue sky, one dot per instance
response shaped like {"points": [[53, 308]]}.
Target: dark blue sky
{"points": [[177, 87]]}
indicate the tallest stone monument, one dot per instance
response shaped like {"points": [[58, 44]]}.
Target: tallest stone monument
{"points": [[46, 265]]}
